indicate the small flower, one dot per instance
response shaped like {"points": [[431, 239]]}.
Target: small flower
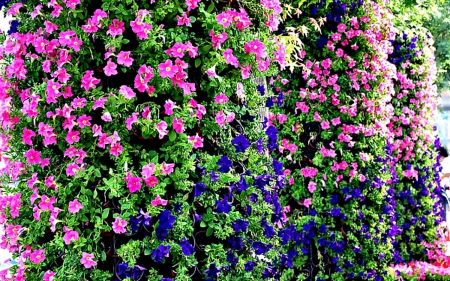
{"points": [[161, 252], [186, 247], [127, 92], [196, 141], [87, 260], [167, 69], [119, 225], [70, 236], [221, 99], [241, 143], [124, 58], [161, 127], [230, 58], [159, 202], [224, 163], [75, 206], [223, 206], [37, 256]]}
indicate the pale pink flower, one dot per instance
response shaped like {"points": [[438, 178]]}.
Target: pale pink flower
{"points": [[196, 141], [221, 99], [87, 260], [166, 169], [161, 127], [159, 202], [110, 68], [48, 275], [312, 186], [37, 256], [230, 58], [106, 116], [75, 206], [127, 92], [70, 236], [124, 58], [307, 202], [119, 225]]}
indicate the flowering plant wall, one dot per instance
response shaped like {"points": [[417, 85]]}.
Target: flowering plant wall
{"points": [[133, 141], [332, 114], [414, 162]]}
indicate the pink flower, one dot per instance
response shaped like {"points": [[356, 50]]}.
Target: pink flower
{"points": [[161, 127], [72, 169], [167, 69], [159, 202], [119, 225], [73, 137], [96, 130], [75, 206], [326, 64], [221, 118], [72, 4], [309, 172], [116, 28], [134, 184], [70, 236], [110, 68], [84, 121], [196, 141], [116, 149], [106, 116], [192, 4], [256, 47], [230, 58], [178, 125], [224, 19], [14, 9], [148, 170], [151, 181], [37, 256], [221, 99], [211, 72], [312, 186], [47, 203], [27, 135], [124, 58], [183, 20], [169, 106], [166, 169], [307, 202], [127, 92], [131, 120], [33, 156], [341, 27], [88, 81], [48, 275], [245, 71], [87, 260]]}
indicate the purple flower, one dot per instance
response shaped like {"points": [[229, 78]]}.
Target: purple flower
{"points": [[240, 225], [223, 206], [186, 247], [199, 188], [241, 143], [212, 271], [249, 266], [242, 184], [224, 163], [214, 176], [236, 243], [261, 248], [165, 223], [335, 212], [161, 252]]}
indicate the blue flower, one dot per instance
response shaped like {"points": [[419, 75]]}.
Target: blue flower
{"points": [[242, 184], [186, 247], [241, 143], [249, 266], [199, 188], [278, 167], [261, 248], [314, 10], [335, 212], [231, 258], [236, 243], [240, 225], [165, 223], [214, 176], [161, 252], [224, 163], [261, 89], [212, 271], [321, 42], [269, 232], [223, 206]]}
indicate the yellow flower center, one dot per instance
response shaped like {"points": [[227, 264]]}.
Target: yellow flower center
{"points": [[179, 50], [224, 20], [168, 68]]}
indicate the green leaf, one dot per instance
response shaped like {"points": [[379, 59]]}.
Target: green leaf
{"points": [[209, 231], [210, 8], [103, 258], [147, 252], [198, 62], [172, 135], [97, 173], [202, 224], [105, 213]]}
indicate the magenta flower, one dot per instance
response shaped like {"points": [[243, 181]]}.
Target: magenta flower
{"points": [[72, 169], [161, 127], [169, 106], [70, 236], [106, 116], [224, 19], [47, 203], [127, 92], [75, 206], [311, 186], [116, 28], [148, 170], [124, 58], [71, 4], [177, 50], [33, 156], [119, 225], [217, 39], [221, 118], [178, 125], [159, 202], [183, 20], [73, 137], [110, 68], [196, 141], [166, 169], [27, 135], [256, 47], [88, 81], [192, 4], [116, 149], [221, 99], [37, 256], [167, 69], [87, 260], [245, 71], [14, 9], [84, 121], [307, 202], [48, 275], [230, 58]]}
